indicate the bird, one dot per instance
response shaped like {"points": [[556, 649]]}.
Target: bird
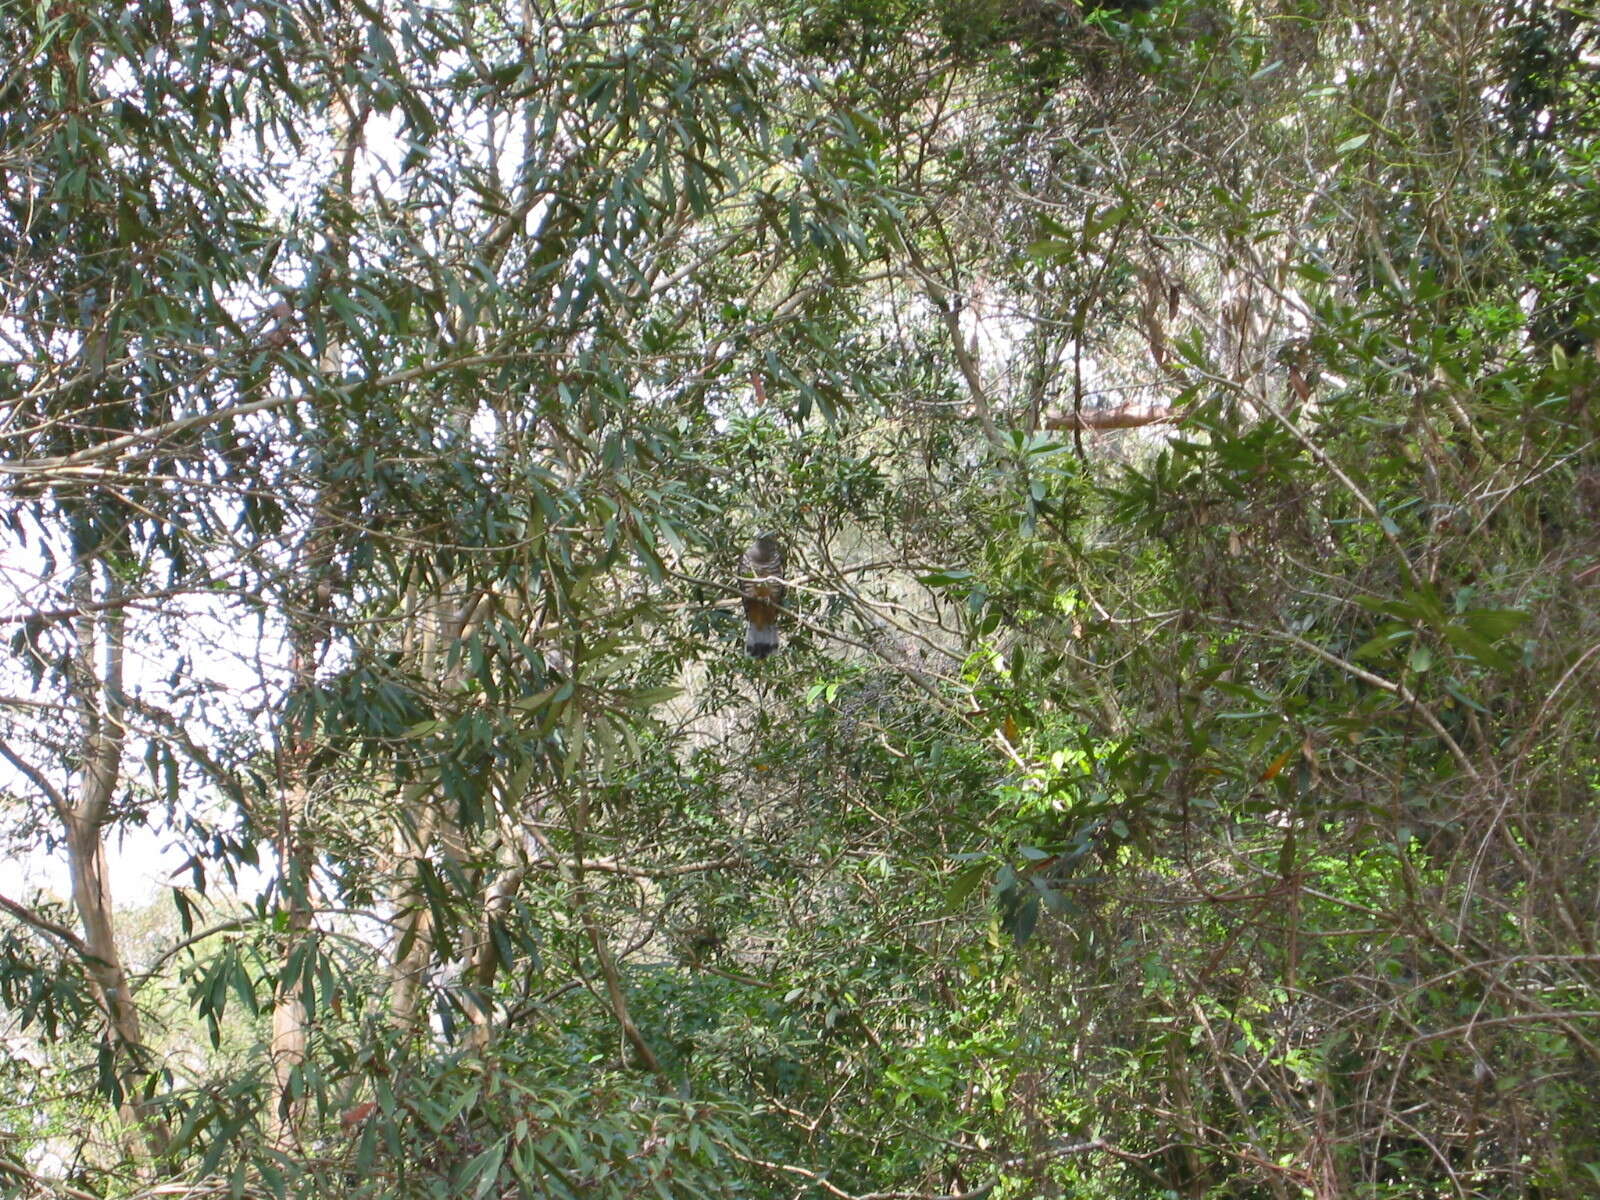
{"points": [[762, 590]]}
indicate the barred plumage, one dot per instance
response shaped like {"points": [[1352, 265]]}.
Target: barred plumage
{"points": [[763, 591]]}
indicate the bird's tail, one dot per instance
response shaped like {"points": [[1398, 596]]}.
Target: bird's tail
{"points": [[760, 640]]}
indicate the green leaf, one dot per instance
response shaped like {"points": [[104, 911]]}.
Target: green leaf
{"points": [[651, 696], [1469, 642], [1051, 250], [1021, 922], [1495, 623], [964, 884]]}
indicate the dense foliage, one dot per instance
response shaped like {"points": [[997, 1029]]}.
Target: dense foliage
{"points": [[1178, 776]]}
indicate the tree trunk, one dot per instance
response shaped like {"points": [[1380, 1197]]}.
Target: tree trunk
{"points": [[309, 617], [99, 689]]}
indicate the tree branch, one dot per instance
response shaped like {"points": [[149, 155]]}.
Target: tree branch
{"points": [[1124, 417], [45, 925]]}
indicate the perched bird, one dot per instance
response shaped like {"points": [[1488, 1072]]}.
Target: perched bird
{"points": [[763, 591]]}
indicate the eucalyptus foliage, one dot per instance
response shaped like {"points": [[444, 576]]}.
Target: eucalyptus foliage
{"points": [[1178, 776]]}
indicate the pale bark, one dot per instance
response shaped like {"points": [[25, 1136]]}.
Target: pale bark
{"points": [[296, 859], [310, 630], [483, 956], [413, 947], [1100, 419], [425, 827], [573, 872], [97, 684], [437, 623]]}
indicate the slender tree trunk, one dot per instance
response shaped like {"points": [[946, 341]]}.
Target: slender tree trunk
{"points": [[296, 848], [98, 685], [483, 953], [310, 618], [413, 948], [438, 622], [577, 878]]}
